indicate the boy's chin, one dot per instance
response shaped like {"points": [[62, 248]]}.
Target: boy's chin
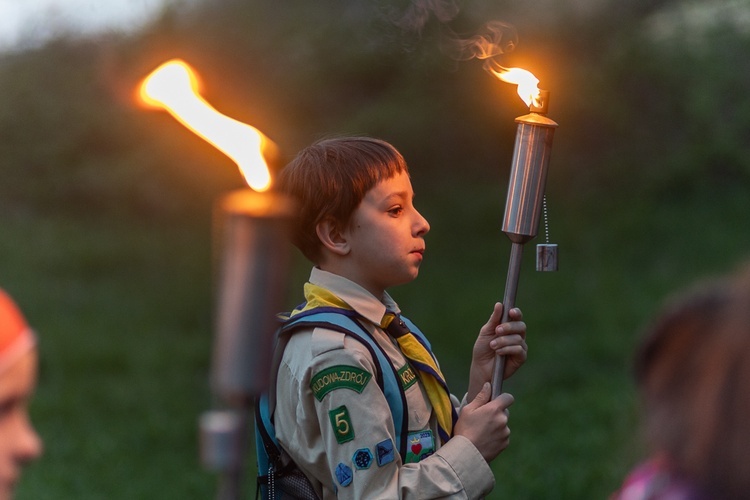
{"points": [[407, 280]]}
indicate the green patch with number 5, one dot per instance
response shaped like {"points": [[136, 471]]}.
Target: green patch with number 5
{"points": [[342, 424]]}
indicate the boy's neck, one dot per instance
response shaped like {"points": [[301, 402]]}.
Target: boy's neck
{"points": [[345, 272]]}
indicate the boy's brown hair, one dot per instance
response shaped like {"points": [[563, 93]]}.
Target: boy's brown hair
{"points": [[330, 178]]}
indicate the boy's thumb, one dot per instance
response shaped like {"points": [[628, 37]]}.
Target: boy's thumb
{"points": [[483, 396]]}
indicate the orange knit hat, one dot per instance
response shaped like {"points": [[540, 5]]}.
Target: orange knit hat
{"points": [[16, 337]]}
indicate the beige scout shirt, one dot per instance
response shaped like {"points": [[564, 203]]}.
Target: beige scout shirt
{"points": [[305, 427]]}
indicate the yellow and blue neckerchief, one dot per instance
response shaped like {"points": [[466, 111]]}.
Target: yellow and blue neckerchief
{"points": [[412, 343]]}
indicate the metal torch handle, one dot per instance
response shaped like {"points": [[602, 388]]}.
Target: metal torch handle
{"points": [[509, 301]]}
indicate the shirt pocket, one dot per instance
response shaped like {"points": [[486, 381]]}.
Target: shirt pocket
{"points": [[417, 401]]}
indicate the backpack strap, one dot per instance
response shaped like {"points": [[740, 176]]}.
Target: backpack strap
{"points": [[347, 322], [418, 333]]}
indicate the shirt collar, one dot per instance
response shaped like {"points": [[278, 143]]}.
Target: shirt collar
{"points": [[363, 302]]}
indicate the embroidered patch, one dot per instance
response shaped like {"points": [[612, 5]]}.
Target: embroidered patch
{"points": [[407, 376], [344, 474], [342, 424], [339, 377], [419, 445], [362, 458], [384, 450]]}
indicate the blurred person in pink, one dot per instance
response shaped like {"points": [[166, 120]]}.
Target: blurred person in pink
{"points": [[19, 442], [692, 371]]}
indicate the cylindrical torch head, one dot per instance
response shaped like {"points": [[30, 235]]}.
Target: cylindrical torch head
{"points": [[528, 176], [254, 261]]}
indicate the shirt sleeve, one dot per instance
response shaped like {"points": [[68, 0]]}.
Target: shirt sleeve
{"points": [[345, 438]]}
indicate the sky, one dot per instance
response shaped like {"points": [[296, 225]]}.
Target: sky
{"points": [[26, 21]]}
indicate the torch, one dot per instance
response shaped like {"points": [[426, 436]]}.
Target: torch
{"points": [[525, 198], [254, 253]]}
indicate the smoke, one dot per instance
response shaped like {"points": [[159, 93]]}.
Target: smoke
{"points": [[416, 16], [493, 39]]}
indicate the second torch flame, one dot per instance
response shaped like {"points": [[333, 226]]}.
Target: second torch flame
{"points": [[174, 87]]}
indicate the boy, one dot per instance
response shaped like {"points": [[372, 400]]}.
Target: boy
{"points": [[19, 443], [349, 436]]}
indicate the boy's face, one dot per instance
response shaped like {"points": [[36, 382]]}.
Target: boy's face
{"points": [[19, 443], [386, 236]]}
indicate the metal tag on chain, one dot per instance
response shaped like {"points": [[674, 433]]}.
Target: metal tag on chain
{"points": [[546, 257], [546, 253]]}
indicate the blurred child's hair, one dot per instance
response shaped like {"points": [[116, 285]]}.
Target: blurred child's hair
{"points": [[330, 178], [693, 372]]}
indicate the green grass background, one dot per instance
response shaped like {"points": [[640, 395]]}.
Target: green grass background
{"points": [[124, 311]]}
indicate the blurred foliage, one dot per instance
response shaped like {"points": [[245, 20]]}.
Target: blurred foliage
{"points": [[73, 134], [106, 206]]}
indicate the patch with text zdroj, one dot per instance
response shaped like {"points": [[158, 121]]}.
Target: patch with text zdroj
{"points": [[339, 377]]}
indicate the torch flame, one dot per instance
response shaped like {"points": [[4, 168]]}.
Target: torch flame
{"points": [[174, 87], [527, 83]]}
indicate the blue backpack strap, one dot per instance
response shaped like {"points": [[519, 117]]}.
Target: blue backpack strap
{"points": [[419, 336], [266, 443], [347, 322], [418, 333], [267, 450], [344, 321]]}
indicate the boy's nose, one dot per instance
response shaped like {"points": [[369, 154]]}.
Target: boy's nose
{"points": [[423, 227], [29, 445]]}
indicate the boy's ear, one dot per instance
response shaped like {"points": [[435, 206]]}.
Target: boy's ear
{"points": [[332, 237]]}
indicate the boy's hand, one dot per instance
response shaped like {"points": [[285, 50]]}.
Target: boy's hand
{"points": [[507, 339], [485, 422]]}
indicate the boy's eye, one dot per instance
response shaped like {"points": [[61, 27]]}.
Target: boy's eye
{"points": [[397, 210]]}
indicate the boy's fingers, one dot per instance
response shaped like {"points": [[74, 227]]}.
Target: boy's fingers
{"points": [[497, 313], [493, 321], [508, 340], [505, 400], [512, 327], [515, 314]]}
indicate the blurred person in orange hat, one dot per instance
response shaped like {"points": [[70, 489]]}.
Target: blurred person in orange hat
{"points": [[19, 442]]}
